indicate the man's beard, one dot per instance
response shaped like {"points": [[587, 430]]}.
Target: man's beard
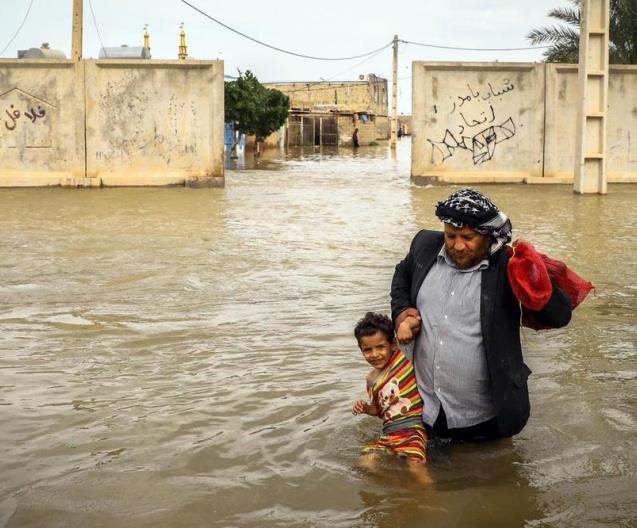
{"points": [[467, 259]]}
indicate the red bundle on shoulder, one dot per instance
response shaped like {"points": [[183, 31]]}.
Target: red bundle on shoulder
{"points": [[532, 275]]}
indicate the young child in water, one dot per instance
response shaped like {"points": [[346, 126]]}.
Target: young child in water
{"points": [[394, 396]]}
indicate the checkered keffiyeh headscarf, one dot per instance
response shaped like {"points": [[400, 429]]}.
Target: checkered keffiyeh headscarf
{"points": [[469, 208]]}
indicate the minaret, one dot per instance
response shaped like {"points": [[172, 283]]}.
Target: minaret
{"points": [[183, 49], [147, 39]]}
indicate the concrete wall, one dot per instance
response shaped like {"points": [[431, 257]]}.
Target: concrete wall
{"points": [[111, 122], [479, 119], [41, 122], [561, 115], [154, 122], [512, 122]]}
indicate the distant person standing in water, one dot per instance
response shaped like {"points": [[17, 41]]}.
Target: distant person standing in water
{"points": [[400, 132], [355, 143]]}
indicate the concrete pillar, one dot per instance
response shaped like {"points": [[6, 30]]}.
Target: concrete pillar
{"points": [[590, 141]]}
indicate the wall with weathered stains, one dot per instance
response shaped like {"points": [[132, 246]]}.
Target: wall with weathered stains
{"points": [[41, 122], [483, 120], [621, 128], [154, 121], [512, 122], [110, 122]]}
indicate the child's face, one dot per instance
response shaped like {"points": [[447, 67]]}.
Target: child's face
{"points": [[377, 349]]}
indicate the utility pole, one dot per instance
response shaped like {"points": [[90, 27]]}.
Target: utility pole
{"points": [[78, 15], [394, 94], [590, 140]]}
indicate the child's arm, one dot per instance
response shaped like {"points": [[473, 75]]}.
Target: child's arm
{"points": [[362, 407], [407, 330]]}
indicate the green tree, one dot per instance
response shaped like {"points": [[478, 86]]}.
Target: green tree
{"points": [[253, 108], [564, 38]]}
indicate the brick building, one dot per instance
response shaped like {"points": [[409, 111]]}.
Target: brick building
{"points": [[328, 112]]}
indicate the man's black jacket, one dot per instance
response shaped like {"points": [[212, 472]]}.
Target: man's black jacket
{"points": [[499, 318]]}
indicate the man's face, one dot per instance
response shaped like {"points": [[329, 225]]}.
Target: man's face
{"points": [[464, 246]]}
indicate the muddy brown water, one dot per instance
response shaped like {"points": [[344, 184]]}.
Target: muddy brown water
{"points": [[178, 357]]}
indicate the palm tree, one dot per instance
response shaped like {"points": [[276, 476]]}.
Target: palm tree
{"points": [[564, 38]]}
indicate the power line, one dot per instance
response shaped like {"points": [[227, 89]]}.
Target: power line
{"points": [[99, 35], [276, 48], [358, 64], [333, 76], [19, 28], [436, 46]]}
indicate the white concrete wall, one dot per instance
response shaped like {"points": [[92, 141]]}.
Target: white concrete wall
{"points": [[621, 128], [512, 122], [41, 123], [111, 122], [155, 122], [481, 120]]}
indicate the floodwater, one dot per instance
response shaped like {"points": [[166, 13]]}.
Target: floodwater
{"points": [[179, 357]]}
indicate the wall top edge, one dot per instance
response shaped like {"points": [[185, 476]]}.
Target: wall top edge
{"points": [[508, 65], [623, 67], [464, 64], [613, 68], [191, 63], [36, 62]]}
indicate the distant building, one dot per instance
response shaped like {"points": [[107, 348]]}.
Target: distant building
{"points": [[328, 112], [43, 52], [125, 52]]}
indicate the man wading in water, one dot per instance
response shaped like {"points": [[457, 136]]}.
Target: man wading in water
{"points": [[467, 353]]}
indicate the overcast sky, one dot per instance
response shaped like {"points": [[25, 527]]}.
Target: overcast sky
{"points": [[330, 28]]}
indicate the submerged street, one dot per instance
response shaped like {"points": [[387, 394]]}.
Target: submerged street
{"points": [[180, 357]]}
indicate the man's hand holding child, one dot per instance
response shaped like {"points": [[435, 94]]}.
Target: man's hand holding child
{"points": [[408, 329]]}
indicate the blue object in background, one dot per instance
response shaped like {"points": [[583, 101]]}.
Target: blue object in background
{"points": [[228, 136]]}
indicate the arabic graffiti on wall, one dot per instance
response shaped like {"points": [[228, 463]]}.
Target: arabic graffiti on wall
{"points": [[481, 145], [477, 128], [14, 114], [26, 120]]}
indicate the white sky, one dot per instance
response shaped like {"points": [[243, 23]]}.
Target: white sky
{"points": [[325, 28]]}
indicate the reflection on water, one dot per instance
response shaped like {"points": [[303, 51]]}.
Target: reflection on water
{"points": [[281, 159], [179, 357]]}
